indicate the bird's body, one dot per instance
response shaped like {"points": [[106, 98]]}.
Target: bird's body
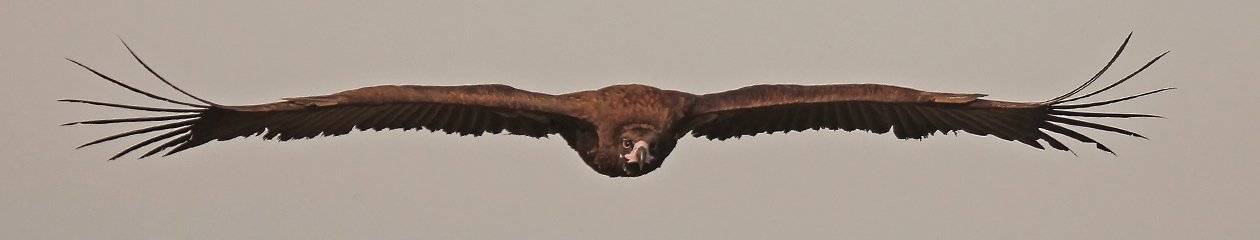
{"points": [[616, 109], [622, 130]]}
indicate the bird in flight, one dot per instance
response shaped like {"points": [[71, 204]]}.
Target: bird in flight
{"points": [[621, 130]]}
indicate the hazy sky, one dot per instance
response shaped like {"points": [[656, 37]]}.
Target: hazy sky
{"points": [[1196, 178]]}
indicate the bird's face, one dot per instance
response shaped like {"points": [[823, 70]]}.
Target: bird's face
{"points": [[639, 151]]}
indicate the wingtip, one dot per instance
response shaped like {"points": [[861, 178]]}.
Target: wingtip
{"points": [[124, 43], [155, 74], [151, 152], [1105, 149], [1096, 75], [180, 148], [1161, 55]]}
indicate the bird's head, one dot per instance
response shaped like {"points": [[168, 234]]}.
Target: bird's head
{"points": [[640, 150]]}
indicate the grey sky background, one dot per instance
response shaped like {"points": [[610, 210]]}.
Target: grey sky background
{"points": [[1194, 179]]}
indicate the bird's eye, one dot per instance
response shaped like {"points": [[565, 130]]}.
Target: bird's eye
{"points": [[626, 143]]}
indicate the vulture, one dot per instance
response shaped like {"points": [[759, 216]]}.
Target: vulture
{"points": [[622, 130]]}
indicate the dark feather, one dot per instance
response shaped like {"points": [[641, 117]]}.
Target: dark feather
{"points": [[139, 119], [151, 109], [136, 90], [1096, 75], [1075, 135], [140, 131], [150, 141], [155, 74], [1105, 115], [1122, 80], [1085, 105]]}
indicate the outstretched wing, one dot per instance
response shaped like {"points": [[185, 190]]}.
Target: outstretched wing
{"points": [[466, 110], [908, 113]]}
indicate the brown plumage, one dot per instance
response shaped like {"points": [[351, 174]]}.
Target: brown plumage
{"points": [[622, 130]]}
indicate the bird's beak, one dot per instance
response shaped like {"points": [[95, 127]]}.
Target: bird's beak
{"points": [[640, 155]]}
